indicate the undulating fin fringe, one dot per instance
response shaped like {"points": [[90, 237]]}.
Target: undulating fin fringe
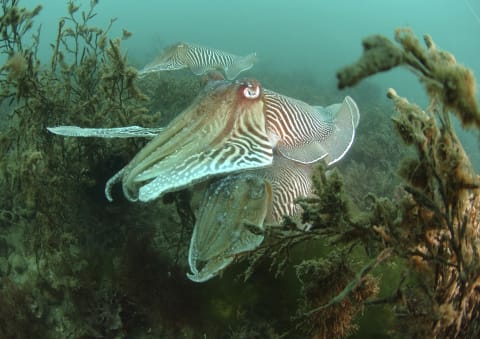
{"points": [[347, 117], [308, 134]]}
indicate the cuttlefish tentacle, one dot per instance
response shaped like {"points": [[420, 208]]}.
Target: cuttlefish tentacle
{"points": [[223, 131], [306, 133], [199, 60], [115, 132]]}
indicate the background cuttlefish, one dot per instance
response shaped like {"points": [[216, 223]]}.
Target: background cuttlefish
{"points": [[199, 60], [230, 127]]}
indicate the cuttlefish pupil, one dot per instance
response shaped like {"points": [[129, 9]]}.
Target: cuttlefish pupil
{"points": [[251, 91]]}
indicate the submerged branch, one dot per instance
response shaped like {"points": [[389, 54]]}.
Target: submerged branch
{"points": [[443, 78], [353, 284]]}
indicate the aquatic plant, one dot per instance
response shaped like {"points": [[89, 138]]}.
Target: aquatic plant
{"points": [[45, 226], [432, 224], [438, 229]]}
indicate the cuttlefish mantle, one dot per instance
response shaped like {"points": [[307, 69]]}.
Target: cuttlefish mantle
{"points": [[200, 60]]}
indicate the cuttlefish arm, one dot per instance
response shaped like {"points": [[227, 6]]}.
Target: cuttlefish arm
{"points": [[220, 232], [223, 131], [307, 133]]}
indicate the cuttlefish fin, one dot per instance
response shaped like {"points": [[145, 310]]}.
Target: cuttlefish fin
{"points": [[304, 153], [347, 117], [159, 67], [200, 69], [220, 232], [332, 111], [115, 132], [240, 65], [324, 133]]}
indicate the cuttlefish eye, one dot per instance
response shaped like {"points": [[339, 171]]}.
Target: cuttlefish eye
{"points": [[251, 90]]}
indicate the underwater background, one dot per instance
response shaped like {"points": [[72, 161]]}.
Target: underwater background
{"points": [[305, 38], [73, 265]]}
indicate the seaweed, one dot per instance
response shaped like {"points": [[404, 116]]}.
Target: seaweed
{"points": [[443, 78], [431, 223], [49, 187], [437, 232]]}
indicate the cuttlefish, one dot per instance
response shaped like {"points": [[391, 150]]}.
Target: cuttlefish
{"points": [[259, 144], [199, 60], [232, 217], [230, 127]]}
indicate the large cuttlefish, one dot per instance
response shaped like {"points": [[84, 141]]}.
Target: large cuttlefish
{"points": [[230, 127], [199, 60], [232, 217]]}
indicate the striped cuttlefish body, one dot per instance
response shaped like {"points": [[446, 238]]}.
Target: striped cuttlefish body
{"points": [[260, 145], [199, 60]]}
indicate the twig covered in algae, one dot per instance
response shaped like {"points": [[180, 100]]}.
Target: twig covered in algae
{"points": [[438, 70], [438, 231]]}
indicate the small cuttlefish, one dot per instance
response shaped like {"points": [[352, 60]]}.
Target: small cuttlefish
{"points": [[199, 60]]}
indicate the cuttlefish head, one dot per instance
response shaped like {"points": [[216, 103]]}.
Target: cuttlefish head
{"points": [[223, 131], [221, 231], [172, 58]]}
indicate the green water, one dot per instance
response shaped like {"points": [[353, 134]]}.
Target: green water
{"points": [[298, 37]]}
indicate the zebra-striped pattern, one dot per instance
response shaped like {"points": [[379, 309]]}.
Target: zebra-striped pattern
{"points": [[200, 60], [173, 58], [294, 122], [290, 180], [230, 138], [203, 58], [248, 144]]}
